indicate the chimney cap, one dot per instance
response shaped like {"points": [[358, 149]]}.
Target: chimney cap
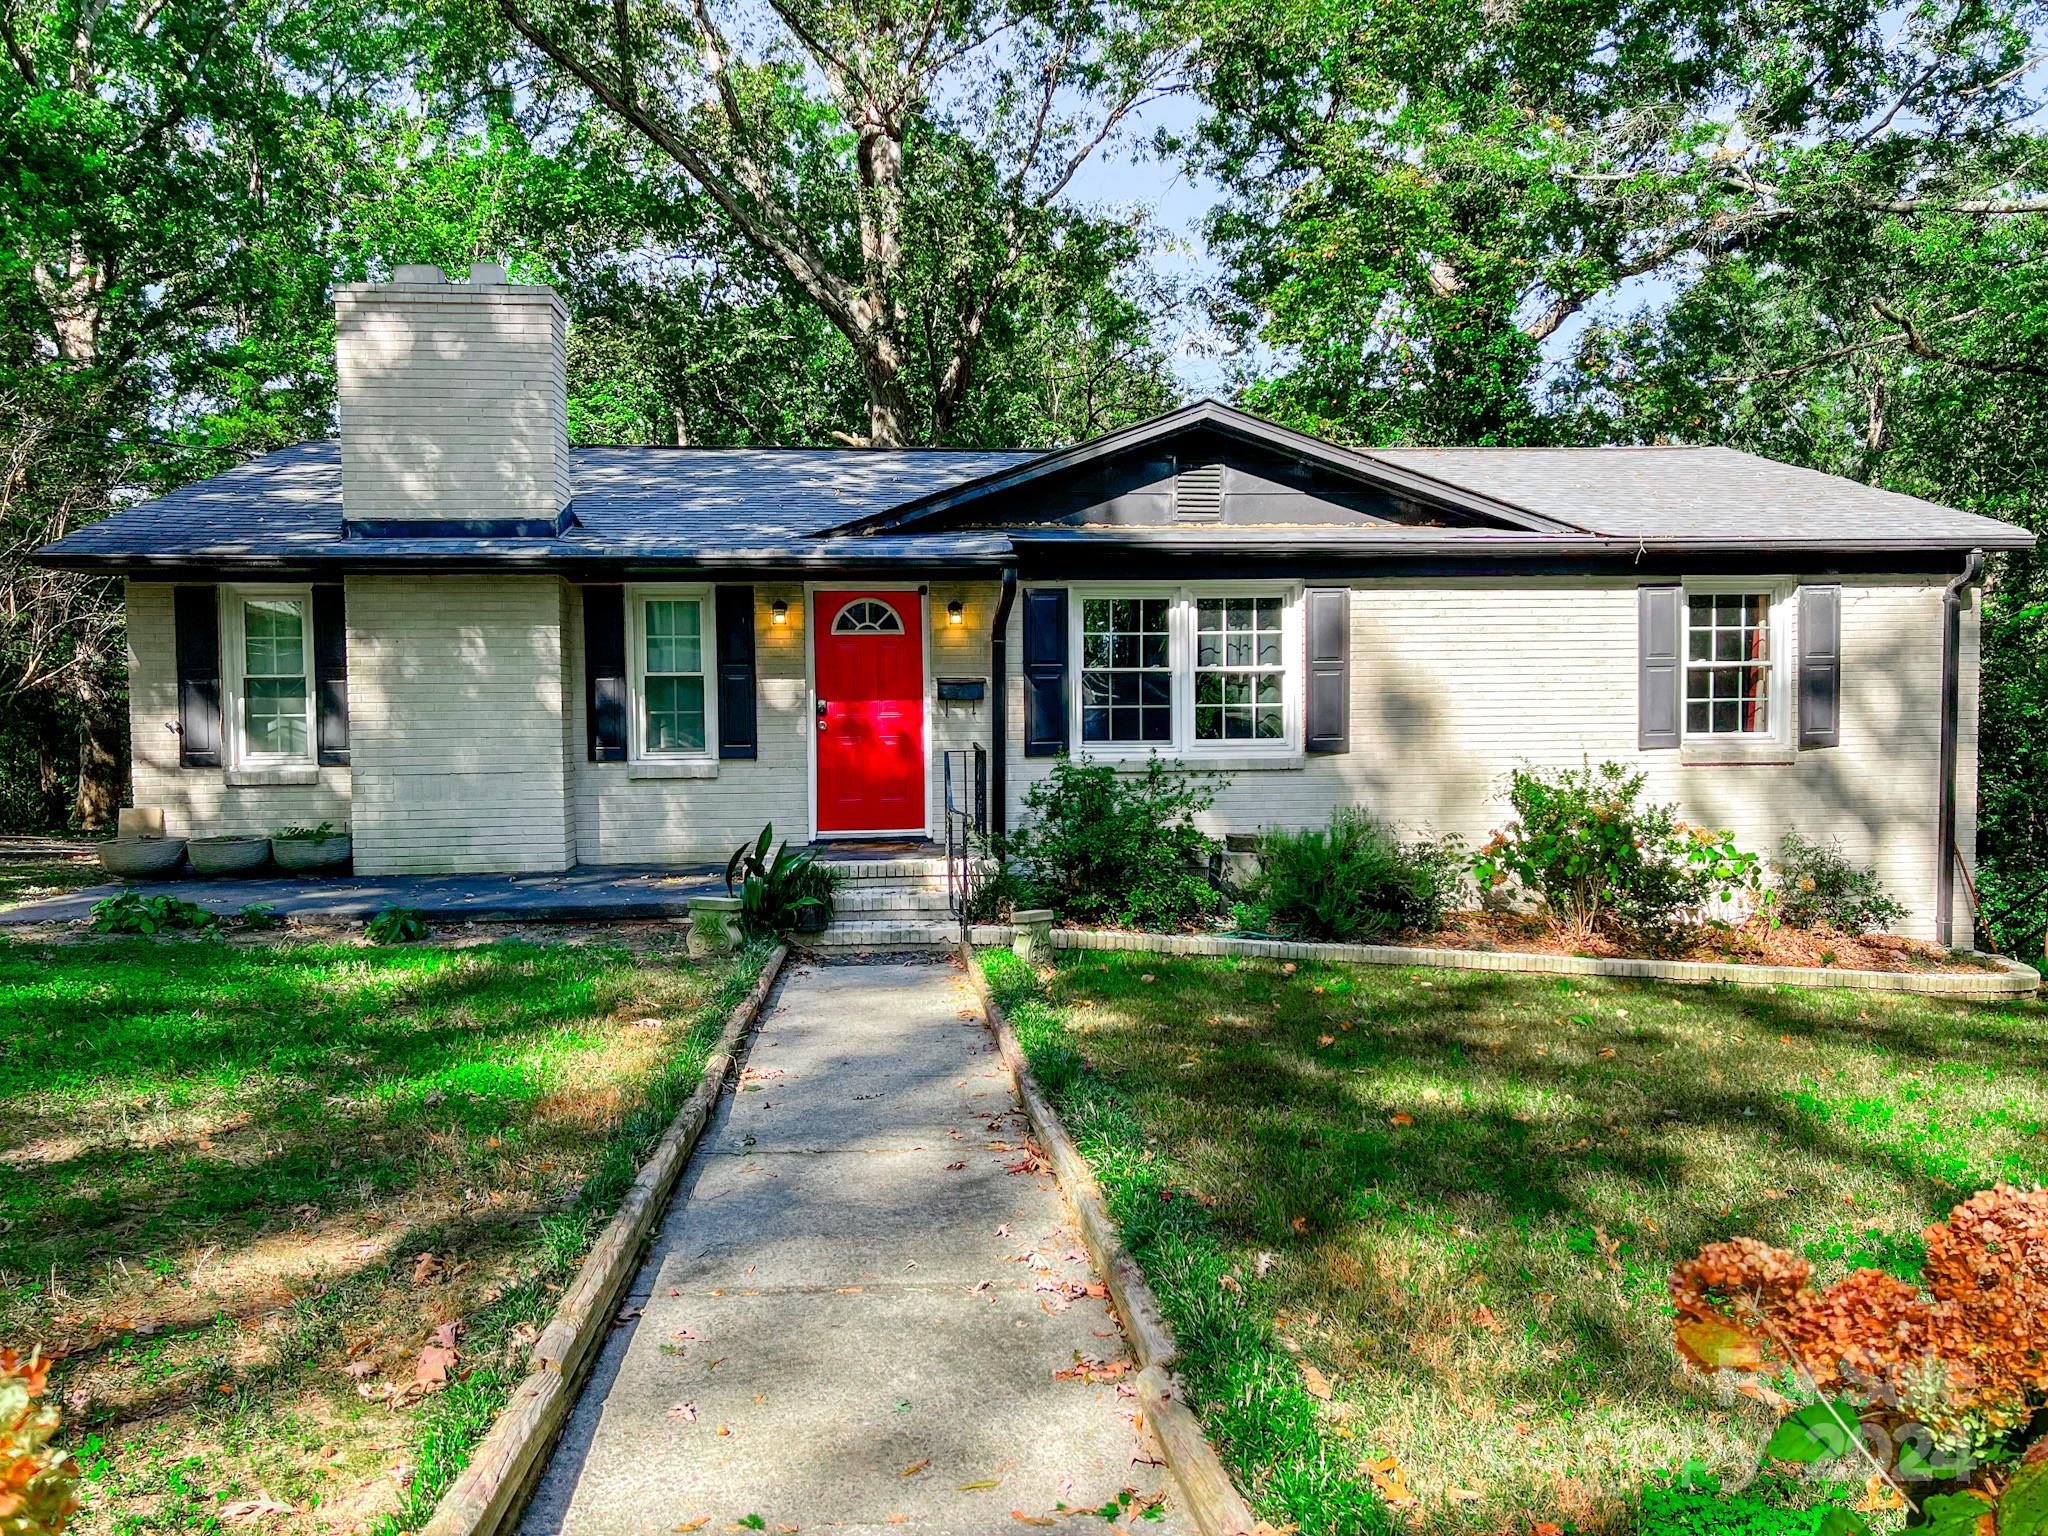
{"points": [[488, 272], [426, 273]]}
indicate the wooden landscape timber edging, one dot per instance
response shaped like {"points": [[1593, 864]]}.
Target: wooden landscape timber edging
{"points": [[2010, 979], [489, 1493], [1205, 1487]]}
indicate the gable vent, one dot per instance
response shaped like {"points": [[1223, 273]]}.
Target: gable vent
{"points": [[1198, 493]]}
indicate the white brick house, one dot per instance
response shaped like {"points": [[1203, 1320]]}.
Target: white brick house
{"points": [[485, 651]]}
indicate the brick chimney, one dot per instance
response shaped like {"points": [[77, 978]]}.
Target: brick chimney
{"points": [[454, 406]]}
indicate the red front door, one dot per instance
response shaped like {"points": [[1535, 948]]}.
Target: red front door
{"points": [[868, 650]]}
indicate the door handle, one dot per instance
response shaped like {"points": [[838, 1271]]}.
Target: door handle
{"points": [[821, 717]]}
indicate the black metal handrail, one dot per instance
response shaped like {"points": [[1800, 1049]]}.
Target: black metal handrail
{"points": [[966, 803]]}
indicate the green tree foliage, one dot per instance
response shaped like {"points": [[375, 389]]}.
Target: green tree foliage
{"points": [[898, 168]]}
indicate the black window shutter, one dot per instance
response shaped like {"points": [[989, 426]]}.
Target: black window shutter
{"points": [[736, 728], [1045, 671], [604, 672], [1328, 620], [1820, 666], [1659, 634], [196, 612], [330, 672]]}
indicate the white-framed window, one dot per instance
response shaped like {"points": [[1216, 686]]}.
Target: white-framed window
{"points": [[1209, 668], [1734, 661], [268, 647], [675, 705]]}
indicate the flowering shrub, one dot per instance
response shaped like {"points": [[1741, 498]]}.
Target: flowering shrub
{"points": [[1816, 883], [36, 1483], [1584, 843], [1947, 1382]]}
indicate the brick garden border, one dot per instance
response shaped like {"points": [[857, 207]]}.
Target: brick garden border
{"points": [[1205, 1486], [2011, 979], [488, 1494]]}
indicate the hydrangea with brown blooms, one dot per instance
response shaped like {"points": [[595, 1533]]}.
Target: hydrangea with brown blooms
{"points": [[1967, 1356], [37, 1484]]}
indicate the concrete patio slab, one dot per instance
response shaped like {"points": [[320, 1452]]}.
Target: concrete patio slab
{"points": [[838, 1329], [578, 895]]}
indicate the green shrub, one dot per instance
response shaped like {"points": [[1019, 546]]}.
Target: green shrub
{"points": [[133, 912], [1119, 848], [1353, 881], [774, 892], [1703, 1508], [397, 925], [1816, 884], [1598, 858], [260, 915]]}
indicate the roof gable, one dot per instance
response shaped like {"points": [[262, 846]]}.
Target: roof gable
{"points": [[1205, 463]]}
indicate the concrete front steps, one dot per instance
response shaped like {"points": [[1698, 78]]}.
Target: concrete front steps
{"points": [[895, 903]]}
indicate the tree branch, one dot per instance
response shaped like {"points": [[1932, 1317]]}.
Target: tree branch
{"points": [[15, 51], [1918, 344]]}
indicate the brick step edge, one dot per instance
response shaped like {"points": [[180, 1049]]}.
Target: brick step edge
{"points": [[2011, 978], [1211, 1498]]}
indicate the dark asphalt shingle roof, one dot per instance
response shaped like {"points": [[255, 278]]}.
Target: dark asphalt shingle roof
{"points": [[776, 505], [1717, 494]]}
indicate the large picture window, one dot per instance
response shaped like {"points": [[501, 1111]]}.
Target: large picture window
{"points": [[270, 659], [672, 695], [1240, 669], [1730, 662], [1126, 670], [1192, 669]]}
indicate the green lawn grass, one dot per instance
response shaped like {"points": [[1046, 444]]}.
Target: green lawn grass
{"points": [[36, 877], [220, 1164], [1457, 1196]]}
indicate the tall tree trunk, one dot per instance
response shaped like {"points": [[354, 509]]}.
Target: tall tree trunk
{"points": [[102, 775]]}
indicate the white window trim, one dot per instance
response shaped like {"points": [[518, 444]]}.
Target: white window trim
{"points": [[637, 598], [234, 659], [1180, 653], [1778, 731]]}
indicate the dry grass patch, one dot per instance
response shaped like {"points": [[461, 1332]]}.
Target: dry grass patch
{"points": [[1429, 1215], [249, 1186]]}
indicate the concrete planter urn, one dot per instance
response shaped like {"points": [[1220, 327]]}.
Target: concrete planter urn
{"points": [[227, 855], [309, 855], [142, 858], [1031, 938], [714, 925]]}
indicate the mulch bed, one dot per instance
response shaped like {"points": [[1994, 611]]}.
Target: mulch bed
{"points": [[1748, 944]]}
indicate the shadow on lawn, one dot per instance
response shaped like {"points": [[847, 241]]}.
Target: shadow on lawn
{"points": [[1476, 1190]]}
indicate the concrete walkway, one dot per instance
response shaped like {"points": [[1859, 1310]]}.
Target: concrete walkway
{"points": [[856, 1312]]}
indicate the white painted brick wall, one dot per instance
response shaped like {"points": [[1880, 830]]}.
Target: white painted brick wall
{"points": [[199, 802], [1454, 683], [454, 400], [457, 699]]}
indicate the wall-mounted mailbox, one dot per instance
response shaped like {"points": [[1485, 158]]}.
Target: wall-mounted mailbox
{"points": [[961, 689]]}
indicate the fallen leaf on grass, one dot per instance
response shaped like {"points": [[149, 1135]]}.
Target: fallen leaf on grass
{"points": [[426, 1269], [915, 1467], [1021, 1518], [1391, 1481], [431, 1373], [1317, 1383], [1401, 1119], [1326, 1039], [249, 1511], [697, 1524], [1879, 1496], [954, 1167], [980, 1485], [1713, 1345]]}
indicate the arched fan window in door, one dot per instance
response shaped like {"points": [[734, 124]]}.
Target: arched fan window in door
{"points": [[867, 616]]}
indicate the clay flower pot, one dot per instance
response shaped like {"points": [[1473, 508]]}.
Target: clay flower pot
{"points": [[227, 855], [142, 858]]}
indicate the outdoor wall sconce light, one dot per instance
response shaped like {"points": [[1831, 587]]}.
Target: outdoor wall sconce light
{"points": [[956, 612], [778, 612]]}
